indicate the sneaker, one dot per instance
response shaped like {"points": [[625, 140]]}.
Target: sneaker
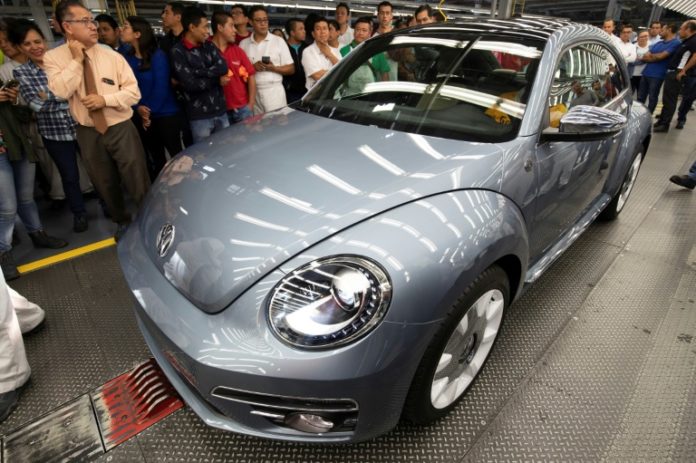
{"points": [[42, 240], [120, 231], [9, 268], [660, 128], [683, 181], [680, 125], [8, 402], [80, 223]]}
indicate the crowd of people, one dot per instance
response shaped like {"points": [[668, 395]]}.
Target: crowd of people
{"points": [[104, 108], [662, 59]]}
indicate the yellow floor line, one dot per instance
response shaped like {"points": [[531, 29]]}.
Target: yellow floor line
{"points": [[63, 256]]}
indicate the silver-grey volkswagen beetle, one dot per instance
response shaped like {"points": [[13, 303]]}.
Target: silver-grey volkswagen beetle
{"points": [[322, 271]]}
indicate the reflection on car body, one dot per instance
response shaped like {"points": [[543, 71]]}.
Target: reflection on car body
{"points": [[324, 270]]}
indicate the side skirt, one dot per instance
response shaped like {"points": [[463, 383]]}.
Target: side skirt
{"points": [[566, 240]]}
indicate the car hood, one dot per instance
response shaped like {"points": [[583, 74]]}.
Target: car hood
{"points": [[229, 210]]}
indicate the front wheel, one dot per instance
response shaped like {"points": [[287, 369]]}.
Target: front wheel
{"points": [[618, 202], [460, 348]]}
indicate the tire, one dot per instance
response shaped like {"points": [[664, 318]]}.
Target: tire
{"points": [[459, 350], [614, 208]]}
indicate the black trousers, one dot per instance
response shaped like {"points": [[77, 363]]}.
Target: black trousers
{"points": [[670, 94], [112, 159], [164, 133]]}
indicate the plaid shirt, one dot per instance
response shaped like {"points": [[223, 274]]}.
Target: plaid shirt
{"points": [[52, 113]]}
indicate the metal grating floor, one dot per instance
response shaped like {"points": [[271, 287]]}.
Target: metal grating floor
{"points": [[597, 361]]}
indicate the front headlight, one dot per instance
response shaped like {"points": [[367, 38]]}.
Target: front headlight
{"points": [[329, 302]]}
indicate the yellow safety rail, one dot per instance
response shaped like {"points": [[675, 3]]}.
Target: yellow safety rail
{"points": [[441, 11]]}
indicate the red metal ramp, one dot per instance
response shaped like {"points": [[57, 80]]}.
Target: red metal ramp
{"points": [[85, 428]]}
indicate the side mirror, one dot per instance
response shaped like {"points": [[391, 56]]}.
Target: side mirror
{"points": [[586, 123]]}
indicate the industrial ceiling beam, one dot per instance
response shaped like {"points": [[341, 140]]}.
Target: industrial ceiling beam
{"points": [[685, 7]]}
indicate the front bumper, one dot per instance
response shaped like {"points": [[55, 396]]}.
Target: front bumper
{"points": [[214, 359]]}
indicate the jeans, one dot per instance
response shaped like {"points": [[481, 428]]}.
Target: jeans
{"points": [[688, 97], [64, 154], [16, 197], [649, 89], [203, 128], [238, 115]]}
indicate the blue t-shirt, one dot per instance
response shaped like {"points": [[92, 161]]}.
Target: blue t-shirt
{"points": [[659, 69], [154, 83]]}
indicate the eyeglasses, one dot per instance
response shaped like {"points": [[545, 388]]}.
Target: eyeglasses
{"points": [[261, 20], [84, 21]]}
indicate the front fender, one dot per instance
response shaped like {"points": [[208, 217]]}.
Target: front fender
{"points": [[636, 133], [433, 248]]}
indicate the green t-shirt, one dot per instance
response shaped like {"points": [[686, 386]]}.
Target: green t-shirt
{"points": [[364, 74], [378, 62]]}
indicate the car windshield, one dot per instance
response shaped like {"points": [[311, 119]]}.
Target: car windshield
{"points": [[464, 85]]}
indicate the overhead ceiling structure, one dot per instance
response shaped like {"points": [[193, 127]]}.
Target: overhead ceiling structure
{"points": [[685, 7], [637, 12]]}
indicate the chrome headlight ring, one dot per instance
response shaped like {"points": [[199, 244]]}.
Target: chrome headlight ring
{"points": [[329, 302]]}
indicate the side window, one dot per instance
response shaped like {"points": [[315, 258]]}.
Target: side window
{"points": [[586, 75]]}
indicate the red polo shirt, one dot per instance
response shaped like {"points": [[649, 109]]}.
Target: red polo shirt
{"points": [[240, 69]]}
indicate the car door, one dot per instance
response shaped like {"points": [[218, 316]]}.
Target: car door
{"points": [[570, 175]]}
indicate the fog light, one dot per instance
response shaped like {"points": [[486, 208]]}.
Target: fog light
{"points": [[307, 422]]}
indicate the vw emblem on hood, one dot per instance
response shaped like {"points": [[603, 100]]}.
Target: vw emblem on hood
{"points": [[165, 238]]}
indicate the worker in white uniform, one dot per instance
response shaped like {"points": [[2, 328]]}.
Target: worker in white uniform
{"points": [[17, 316], [271, 58]]}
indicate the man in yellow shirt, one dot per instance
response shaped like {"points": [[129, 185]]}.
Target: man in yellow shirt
{"points": [[101, 89]]}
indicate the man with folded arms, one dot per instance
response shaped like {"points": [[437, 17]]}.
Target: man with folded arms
{"points": [[319, 57], [101, 89]]}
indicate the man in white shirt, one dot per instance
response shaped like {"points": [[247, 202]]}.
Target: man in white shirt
{"points": [[271, 59], [608, 26], [627, 48], [654, 31], [319, 57], [345, 33], [642, 47]]}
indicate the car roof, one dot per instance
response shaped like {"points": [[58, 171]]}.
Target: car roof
{"points": [[540, 28]]}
